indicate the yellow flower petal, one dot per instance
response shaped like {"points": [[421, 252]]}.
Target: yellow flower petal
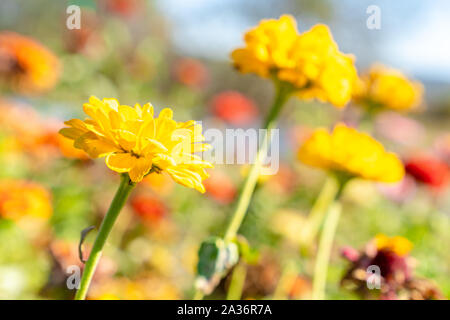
{"points": [[140, 168], [72, 133], [187, 178], [120, 162], [94, 146]]}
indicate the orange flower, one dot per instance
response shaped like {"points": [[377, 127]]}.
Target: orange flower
{"points": [[33, 134], [20, 199], [234, 107], [300, 288], [26, 65], [24, 124]]}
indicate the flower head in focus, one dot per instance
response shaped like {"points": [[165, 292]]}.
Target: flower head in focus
{"points": [[26, 65], [135, 142], [428, 170], [347, 151], [23, 199], [310, 62], [383, 87]]}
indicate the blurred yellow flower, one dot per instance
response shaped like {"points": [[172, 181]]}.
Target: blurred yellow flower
{"points": [[383, 87], [134, 141], [19, 199], [268, 47], [348, 151], [311, 62], [27, 65], [399, 245]]}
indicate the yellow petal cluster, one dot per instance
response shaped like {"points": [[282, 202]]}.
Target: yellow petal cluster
{"points": [[399, 245], [388, 88], [351, 152], [134, 141], [310, 61]]}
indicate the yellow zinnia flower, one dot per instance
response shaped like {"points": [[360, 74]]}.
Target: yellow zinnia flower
{"points": [[134, 141], [384, 87], [311, 62], [348, 151], [399, 245]]}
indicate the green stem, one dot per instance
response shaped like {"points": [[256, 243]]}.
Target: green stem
{"points": [[326, 197], [283, 91], [237, 282], [282, 95], [108, 221], [324, 251]]}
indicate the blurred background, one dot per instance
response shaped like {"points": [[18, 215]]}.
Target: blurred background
{"points": [[176, 54]]}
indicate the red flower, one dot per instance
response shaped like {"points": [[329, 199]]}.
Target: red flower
{"points": [[149, 208], [428, 170], [191, 73], [220, 187], [125, 8], [234, 107]]}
